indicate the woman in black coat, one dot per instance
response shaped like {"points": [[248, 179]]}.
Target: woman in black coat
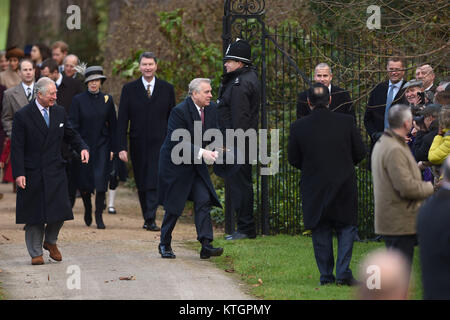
{"points": [[93, 115]]}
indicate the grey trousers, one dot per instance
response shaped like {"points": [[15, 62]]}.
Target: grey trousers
{"points": [[34, 236]]}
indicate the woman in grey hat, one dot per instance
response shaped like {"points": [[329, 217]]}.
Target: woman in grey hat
{"points": [[93, 115]]}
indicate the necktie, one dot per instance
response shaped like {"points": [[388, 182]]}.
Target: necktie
{"points": [[202, 116], [149, 92], [29, 95], [390, 98], [46, 118]]}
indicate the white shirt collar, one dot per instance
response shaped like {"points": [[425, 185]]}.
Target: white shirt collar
{"points": [[329, 89], [151, 83], [427, 89], [396, 85], [31, 86], [198, 108], [58, 82], [40, 106]]}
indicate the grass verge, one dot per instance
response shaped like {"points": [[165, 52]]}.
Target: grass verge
{"points": [[283, 267]]}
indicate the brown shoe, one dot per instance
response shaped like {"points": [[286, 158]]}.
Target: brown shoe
{"points": [[54, 252], [37, 260]]}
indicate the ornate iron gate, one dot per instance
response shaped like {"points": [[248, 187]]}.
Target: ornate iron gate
{"points": [[277, 53]]}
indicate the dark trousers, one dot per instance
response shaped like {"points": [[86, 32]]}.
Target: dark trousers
{"points": [[149, 203], [100, 203], [240, 186], [322, 237], [404, 244], [202, 207]]}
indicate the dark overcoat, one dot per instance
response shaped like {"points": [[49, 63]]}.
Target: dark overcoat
{"points": [[433, 231], [325, 146], [93, 116], [340, 102], [36, 154], [148, 127], [175, 180], [376, 107]]}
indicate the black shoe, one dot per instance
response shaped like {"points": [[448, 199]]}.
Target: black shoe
{"points": [[151, 226], [88, 217], [209, 251], [166, 251], [327, 282], [111, 210], [99, 221], [352, 282]]}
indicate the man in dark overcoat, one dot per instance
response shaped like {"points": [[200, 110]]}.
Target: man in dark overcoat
{"points": [[325, 146], [433, 230], [185, 176], [382, 97], [145, 105], [39, 169], [67, 89]]}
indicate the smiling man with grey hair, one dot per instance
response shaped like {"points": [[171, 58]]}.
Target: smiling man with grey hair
{"points": [[42, 203], [398, 186]]}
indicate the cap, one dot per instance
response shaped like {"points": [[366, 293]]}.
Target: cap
{"points": [[430, 109]]}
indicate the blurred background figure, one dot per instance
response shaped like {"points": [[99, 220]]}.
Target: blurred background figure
{"points": [[60, 50], [433, 225], [4, 64], [10, 77], [384, 275], [39, 53]]}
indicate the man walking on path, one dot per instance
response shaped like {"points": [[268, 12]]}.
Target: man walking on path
{"points": [[38, 167], [145, 105]]}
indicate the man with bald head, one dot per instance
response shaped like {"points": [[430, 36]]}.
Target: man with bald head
{"points": [[340, 98], [384, 275], [426, 74], [70, 62]]}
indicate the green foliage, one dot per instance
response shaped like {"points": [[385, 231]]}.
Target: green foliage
{"points": [[193, 58]]}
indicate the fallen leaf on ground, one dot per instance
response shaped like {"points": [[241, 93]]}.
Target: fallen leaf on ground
{"points": [[6, 238], [230, 270], [260, 281], [128, 278]]}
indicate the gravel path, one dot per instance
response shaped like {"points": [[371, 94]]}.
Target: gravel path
{"points": [[121, 262]]}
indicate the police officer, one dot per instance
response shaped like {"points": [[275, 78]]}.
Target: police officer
{"points": [[238, 106]]}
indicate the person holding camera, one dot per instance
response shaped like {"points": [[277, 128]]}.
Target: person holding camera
{"points": [[425, 134]]}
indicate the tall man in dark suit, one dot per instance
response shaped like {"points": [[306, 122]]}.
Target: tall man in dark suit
{"points": [[145, 105], [326, 146], [67, 89], [340, 98], [382, 97], [188, 178], [38, 167], [433, 229]]}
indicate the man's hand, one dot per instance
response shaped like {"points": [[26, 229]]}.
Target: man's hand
{"points": [[84, 156], [210, 156], [21, 182], [123, 155]]}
